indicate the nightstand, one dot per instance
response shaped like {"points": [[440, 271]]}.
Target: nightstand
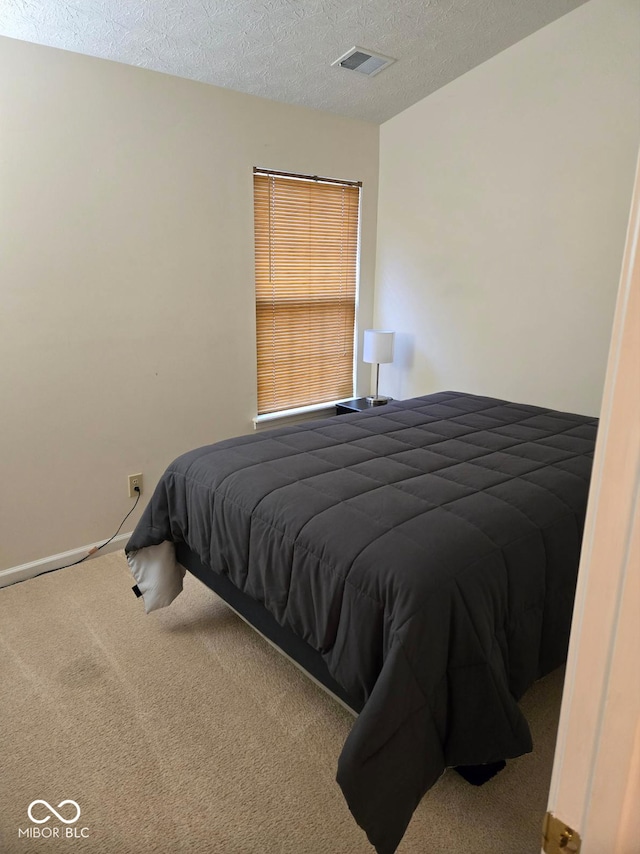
{"points": [[358, 404]]}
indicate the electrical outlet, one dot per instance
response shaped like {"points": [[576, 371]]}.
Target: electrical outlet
{"points": [[135, 480]]}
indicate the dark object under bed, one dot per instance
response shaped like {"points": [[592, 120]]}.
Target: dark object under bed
{"points": [[426, 555]]}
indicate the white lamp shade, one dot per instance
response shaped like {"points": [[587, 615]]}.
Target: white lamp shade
{"points": [[378, 346]]}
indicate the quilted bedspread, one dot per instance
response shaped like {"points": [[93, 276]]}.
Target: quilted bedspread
{"points": [[427, 548]]}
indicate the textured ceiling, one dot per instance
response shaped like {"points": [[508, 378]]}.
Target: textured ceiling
{"points": [[283, 49]]}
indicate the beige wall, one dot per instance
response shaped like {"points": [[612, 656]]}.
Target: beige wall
{"points": [[504, 200], [127, 317]]}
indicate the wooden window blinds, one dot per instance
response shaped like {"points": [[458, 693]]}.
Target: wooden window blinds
{"points": [[306, 243]]}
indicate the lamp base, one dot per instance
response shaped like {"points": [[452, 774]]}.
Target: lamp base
{"points": [[377, 399]]}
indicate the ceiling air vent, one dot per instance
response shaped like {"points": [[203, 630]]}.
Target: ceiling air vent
{"points": [[364, 61]]}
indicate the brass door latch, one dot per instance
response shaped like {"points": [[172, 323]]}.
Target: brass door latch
{"points": [[558, 837]]}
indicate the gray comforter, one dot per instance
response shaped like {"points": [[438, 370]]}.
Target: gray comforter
{"points": [[428, 549]]}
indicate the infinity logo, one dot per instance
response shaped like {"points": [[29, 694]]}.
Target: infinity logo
{"points": [[55, 812]]}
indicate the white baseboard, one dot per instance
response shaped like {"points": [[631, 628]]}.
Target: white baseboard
{"points": [[46, 564]]}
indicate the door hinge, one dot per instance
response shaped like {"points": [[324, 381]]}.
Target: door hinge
{"points": [[558, 837]]}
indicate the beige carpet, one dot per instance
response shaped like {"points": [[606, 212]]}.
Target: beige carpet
{"points": [[183, 731]]}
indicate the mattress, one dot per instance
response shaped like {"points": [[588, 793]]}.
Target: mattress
{"points": [[427, 550]]}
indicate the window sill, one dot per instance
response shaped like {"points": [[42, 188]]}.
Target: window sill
{"points": [[293, 416]]}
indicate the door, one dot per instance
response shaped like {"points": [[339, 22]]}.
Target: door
{"points": [[595, 785]]}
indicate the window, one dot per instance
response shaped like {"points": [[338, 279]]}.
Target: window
{"points": [[306, 236]]}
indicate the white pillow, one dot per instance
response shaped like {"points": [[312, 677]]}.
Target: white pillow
{"points": [[157, 573]]}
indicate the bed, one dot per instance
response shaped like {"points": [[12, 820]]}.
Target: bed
{"points": [[418, 559]]}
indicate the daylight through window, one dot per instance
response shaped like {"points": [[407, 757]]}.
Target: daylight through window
{"points": [[306, 242]]}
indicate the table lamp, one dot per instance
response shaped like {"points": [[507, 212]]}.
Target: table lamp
{"points": [[377, 350]]}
